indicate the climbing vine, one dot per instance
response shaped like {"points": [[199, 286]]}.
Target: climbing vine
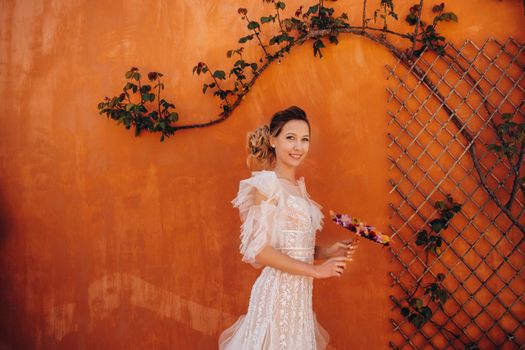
{"points": [[419, 309], [318, 22], [133, 111]]}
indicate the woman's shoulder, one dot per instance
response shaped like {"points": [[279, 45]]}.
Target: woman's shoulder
{"points": [[267, 175], [265, 181]]}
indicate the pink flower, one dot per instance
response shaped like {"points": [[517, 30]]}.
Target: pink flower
{"points": [[360, 228]]}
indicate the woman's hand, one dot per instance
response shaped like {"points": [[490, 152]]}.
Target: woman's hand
{"points": [[342, 248], [331, 267]]}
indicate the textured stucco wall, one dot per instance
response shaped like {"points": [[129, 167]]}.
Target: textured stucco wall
{"points": [[114, 242]]}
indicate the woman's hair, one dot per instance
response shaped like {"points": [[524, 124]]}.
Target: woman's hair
{"points": [[260, 152]]}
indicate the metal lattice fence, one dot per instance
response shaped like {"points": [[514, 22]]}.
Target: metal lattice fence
{"points": [[443, 111]]}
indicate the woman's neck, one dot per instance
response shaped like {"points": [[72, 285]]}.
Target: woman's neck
{"points": [[285, 173]]}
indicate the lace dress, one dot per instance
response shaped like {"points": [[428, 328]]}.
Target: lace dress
{"points": [[280, 314]]}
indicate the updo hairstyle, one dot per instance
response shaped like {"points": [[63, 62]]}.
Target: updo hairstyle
{"points": [[261, 155]]}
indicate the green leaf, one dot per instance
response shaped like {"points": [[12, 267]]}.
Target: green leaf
{"points": [[405, 311], [204, 88], [252, 25], [267, 19], [326, 11], [145, 88], [318, 44], [411, 19], [239, 63], [173, 117], [449, 16], [422, 238], [128, 86], [440, 205], [312, 9], [427, 312], [154, 115], [494, 148], [246, 38], [280, 5], [418, 321], [129, 106], [219, 74], [437, 225]]}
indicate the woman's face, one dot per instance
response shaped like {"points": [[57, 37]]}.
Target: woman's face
{"points": [[292, 144]]}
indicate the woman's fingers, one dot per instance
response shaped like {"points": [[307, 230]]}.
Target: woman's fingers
{"points": [[340, 264], [339, 271], [339, 258], [342, 245]]}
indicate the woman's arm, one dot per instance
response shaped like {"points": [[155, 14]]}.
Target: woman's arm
{"points": [[270, 256], [340, 248]]}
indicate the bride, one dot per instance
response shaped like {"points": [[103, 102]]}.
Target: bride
{"points": [[278, 230]]}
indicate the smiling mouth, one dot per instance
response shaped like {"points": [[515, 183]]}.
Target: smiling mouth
{"points": [[295, 156]]}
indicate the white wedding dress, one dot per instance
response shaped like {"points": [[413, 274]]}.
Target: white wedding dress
{"points": [[280, 314]]}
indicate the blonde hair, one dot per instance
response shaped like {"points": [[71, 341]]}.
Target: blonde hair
{"points": [[261, 154]]}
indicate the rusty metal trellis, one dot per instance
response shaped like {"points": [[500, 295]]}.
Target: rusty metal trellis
{"points": [[484, 252]]}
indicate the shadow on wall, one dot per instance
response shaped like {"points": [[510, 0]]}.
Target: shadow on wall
{"points": [[123, 309]]}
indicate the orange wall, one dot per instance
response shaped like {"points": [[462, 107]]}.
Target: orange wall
{"points": [[111, 241]]}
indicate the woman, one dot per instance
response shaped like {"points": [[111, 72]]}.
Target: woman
{"points": [[279, 224]]}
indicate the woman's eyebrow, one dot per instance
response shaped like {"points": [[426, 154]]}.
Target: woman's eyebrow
{"points": [[289, 132]]}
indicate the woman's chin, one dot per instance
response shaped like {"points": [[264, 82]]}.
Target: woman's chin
{"points": [[294, 162]]}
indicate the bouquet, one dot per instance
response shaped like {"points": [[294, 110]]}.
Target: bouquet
{"points": [[360, 228]]}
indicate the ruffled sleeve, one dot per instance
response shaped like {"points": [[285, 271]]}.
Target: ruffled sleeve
{"points": [[257, 228]]}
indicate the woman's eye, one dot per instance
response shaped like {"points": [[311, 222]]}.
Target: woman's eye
{"points": [[306, 140]]}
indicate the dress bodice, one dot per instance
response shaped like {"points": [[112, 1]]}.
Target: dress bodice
{"points": [[294, 224]]}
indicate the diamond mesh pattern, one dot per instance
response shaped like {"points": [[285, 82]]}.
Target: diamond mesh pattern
{"points": [[484, 252]]}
